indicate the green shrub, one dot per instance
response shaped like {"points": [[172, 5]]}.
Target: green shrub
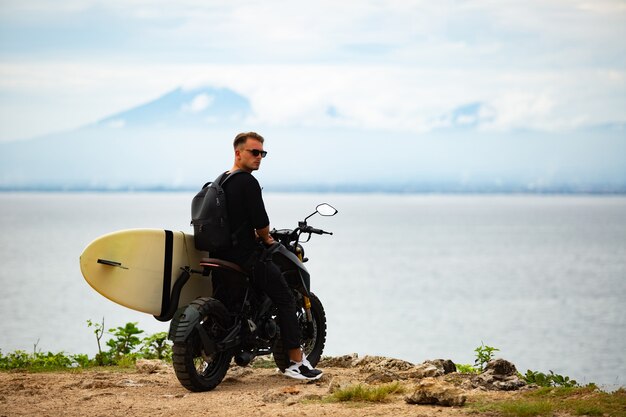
{"points": [[16, 360], [37, 361], [127, 361], [466, 369], [156, 346], [123, 351], [81, 360], [483, 355], [548, 380], [125, 340], [366, 393]]}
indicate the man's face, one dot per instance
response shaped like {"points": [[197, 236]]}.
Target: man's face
{"points": [[245, 157]]}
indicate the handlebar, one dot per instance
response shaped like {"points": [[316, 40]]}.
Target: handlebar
{"points": [[309, 229], [288, 236], [291, 238]]}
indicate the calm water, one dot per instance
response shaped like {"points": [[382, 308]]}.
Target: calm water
{"points": [[417, 277]]}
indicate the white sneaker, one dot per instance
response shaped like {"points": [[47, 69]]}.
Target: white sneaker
{"points": [[303, 371]]}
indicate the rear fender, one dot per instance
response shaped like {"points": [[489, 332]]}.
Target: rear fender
{"points": [[188, 319], [185, 320]]}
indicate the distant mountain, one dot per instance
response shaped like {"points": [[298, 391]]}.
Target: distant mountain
{"points": [[184, 138], [149, 146], [199, 107]]}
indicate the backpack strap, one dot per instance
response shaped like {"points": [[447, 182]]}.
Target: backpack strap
{"points": [[221, 180]]}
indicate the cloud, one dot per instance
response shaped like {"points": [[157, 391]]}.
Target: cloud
{"points": [[199, 103], [410, 65], [412, 32], [372, 97]]}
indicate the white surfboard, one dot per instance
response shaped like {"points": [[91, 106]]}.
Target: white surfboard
{"points": [[138, 268]]}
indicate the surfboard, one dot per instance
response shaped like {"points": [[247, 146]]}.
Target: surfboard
{"points": [[138, 268]]}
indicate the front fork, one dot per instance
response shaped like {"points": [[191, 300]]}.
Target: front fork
{"points": [[306, 300], [307, 308]]}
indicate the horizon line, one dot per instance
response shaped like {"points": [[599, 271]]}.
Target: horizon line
{"points": [[602, 189]]}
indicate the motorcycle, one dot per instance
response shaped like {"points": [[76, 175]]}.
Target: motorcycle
{"points": [[207, 334]]}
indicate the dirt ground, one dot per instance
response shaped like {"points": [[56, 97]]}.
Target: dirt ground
{"points": [[244, 392]]}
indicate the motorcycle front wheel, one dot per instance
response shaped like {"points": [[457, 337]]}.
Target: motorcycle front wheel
{"points": [[195, 369], [313, 334]]}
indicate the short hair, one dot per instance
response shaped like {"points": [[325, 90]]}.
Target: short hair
{"points": [[241, 138]]}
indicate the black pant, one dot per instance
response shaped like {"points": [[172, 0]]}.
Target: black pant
{"points": [[267, 278]]}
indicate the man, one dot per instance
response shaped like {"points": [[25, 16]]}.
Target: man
{"points": [[247, 216]]}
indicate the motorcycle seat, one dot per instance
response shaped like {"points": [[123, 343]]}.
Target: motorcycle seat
{"points": [[220, 264]]}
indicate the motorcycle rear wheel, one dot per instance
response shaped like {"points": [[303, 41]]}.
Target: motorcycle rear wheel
{"points": [[313, 338], [195, 369]]}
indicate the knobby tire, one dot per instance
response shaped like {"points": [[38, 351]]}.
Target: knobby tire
{"points": [[196, 370]]}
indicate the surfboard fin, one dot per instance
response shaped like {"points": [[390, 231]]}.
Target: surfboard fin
{"points": [[111, 263]]}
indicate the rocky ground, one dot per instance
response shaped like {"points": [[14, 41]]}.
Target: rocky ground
{"points": [[431, 390]]}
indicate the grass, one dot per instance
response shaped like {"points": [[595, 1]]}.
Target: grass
{"points": [[578, 401], [514, 408], [366, 393]]}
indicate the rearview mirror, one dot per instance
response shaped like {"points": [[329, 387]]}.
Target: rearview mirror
{"points": [[326, 209]]}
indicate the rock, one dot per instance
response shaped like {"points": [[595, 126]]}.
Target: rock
{"points": [[446, 365], [382, 376], [151, 366], [393, 369], [384, 369], [432, 368], [499, 375], [345, 361], [501, 367], [338, 383], [424, 370], [466, 385], [436, 392], [376, 363]]}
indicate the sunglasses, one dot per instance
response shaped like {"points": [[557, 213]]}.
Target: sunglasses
{"points": [[256, 152]]}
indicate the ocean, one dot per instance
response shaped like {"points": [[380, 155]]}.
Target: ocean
{"points": [[542, 278]]}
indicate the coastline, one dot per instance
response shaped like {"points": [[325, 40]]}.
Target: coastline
{"points": [[244, 392], [151, 389]]}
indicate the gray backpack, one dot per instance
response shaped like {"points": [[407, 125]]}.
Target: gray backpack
{"points": [[209, 216]]}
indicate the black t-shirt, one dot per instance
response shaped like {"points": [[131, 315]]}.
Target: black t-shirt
{"points": [[246, 212]]}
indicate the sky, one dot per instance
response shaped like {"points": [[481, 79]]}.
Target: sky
{"points": [[403, 65]]}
